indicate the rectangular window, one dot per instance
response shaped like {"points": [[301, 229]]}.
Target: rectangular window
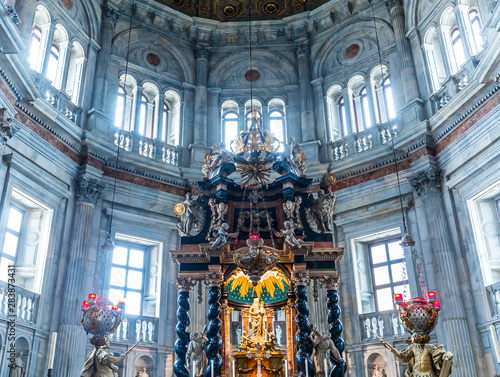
{"points": [[12, 240], [127, 277], [387, 266]]}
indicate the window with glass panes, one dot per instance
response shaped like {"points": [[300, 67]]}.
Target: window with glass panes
{"points": [[387, 265], [127, 277], [12, 239]]}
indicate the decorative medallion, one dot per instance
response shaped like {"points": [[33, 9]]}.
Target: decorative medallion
{"points": [[352, 51], [179, 209], [330, 179], [271, 8], [177, 3], [229, 11], [153, 59], [252, 75], [67, 4]]}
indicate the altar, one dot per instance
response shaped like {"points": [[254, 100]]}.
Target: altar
{"points": [[253, 249]]}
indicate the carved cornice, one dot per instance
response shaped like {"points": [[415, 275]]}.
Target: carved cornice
{"points": [[214, 279], [88, 190], [300, 277], [331, 282], [185, 284], [427, 182]]}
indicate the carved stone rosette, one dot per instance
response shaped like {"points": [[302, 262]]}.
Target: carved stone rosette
{"points": [[214, 280], [184, 285]]}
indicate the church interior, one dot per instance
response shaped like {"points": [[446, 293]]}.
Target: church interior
{"points": [[250, 188]]}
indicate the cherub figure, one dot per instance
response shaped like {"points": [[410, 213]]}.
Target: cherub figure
{"points": [[222, 237], [101, 362], [289, 233]]}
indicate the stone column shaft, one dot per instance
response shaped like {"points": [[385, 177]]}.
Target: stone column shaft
{"points": [[71, 336], [371, 102], [26, 11], [306, 102], [48, 33], [454, 320], [159, 118], [408, 74], [109, 18], [465, 29], [347, 106], [214, 119], [201, 107], [137, 118], [319, 109]]}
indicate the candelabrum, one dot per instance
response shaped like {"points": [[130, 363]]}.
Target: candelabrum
{"points": [[101, 318]]}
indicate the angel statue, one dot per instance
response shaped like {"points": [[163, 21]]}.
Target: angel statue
{"points": [[189, 213], [323, 348], [289, 233], [222, 237], [292, 152], [196, 352], [219, 156], [320, 213]]}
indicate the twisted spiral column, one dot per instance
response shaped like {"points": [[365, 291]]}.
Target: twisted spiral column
{"points": [[184, 285], [304, 343], [331, 284], [214, 280]]}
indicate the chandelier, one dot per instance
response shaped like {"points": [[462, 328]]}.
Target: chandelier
{"points": [[101, 318]]}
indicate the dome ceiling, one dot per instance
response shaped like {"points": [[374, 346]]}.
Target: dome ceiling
{"points": [[237, 10]]}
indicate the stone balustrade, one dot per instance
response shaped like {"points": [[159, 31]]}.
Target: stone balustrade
{"points": [[361, 141], [135, 327], [26, 303], [154, 149], [385, 324]]}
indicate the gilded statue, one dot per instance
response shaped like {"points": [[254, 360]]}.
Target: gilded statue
{"points": [[196, 352], [257, 314], [101, 362]]}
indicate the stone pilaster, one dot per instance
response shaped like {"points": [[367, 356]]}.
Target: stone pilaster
{"points": [[427, 186], [184, 286], [319, 109], [306, 100], [213, 116], [214, 281], [200, 105], [304, 344], [331, 284], [408, 75], [108, 22], [71, 336]]}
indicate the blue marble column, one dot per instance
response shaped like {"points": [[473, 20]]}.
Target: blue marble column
{"points": [[71, 336], [304, 343], [184, 286], [214, 281], [331, 284]]}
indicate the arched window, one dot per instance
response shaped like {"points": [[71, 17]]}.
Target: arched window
{"points": [[365, 105], [277, 126], [333, 95], [171, 124], [164, 122], [53, 63], [476, 25], [39, 36], [121, 104], [434, 59], [342, 117], [249, 107], [75, 71], [35, 46], [458, 47], [388, 97], [229, 128], [143, 115]]}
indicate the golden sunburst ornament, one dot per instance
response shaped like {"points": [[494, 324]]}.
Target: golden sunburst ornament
{"points": [[255, 173]]}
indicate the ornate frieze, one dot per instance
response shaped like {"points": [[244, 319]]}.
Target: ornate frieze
{"points": [[88, 190]]}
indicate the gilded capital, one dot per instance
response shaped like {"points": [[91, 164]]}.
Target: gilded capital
{"points": [[331, 283], [185, 284], [88, 190], [300, 277], [427, 182], [214, 279]]}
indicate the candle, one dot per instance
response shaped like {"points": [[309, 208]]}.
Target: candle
{"points": [[234, 369], [286, 368], [307, 368], [326, 368], [212, 367], [194, 369], [52, 350]]}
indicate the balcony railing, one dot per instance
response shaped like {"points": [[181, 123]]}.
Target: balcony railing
{"points": [[59, 100], [361, 141], [153, 149], [26, 304], [384, 324], [134, 328]]}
